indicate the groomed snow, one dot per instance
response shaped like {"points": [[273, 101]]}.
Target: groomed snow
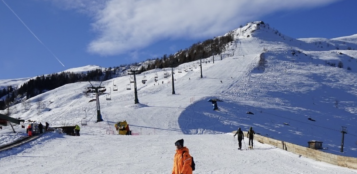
{"points": [[215, 154]]}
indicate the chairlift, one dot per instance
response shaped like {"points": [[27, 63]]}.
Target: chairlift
{"points": [[108, 96], [166, 75], [131, 79], [115, 88], [144, 80], [156, 76], [179, 71], [84, 122], [128, 87]]}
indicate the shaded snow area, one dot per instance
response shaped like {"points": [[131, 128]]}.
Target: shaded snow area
{"points": [[54, 153], [295, 90]]}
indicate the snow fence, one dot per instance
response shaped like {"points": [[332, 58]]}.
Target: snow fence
{"points": [[317, 155]]}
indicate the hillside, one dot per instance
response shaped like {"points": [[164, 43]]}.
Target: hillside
{"points": [[285, 82]]}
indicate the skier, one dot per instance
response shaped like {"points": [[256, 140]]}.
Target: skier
{"points": [[240, 137], [128, 132], [40, 127], [182, 159], [29, 130], [77, 129], [47, 126], [250, 134]]}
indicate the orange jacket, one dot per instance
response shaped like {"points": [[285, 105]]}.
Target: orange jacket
{"points": [[182, 163]]}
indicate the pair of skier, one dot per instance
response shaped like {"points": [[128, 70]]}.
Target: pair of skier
{"points": [[250, 135]]}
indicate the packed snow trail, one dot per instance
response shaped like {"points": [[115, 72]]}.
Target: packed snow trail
{"points": [[216, 154]]}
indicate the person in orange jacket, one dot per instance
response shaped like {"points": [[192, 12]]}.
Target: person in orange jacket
{"points": [[182, 159], [29, 130]]}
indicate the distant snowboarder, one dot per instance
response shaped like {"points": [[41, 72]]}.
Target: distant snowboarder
{"points": [[214, 103], [250, 134], [240, 137]]}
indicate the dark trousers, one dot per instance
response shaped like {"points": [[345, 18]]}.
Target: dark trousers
{"points": [[251, 141], [77, 132], [240, 143]]}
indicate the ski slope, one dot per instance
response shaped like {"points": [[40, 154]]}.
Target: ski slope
{"points": [[295, 84], [216, 154]]}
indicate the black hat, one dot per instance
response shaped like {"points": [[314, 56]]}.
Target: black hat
{"points": [[179, 142]]}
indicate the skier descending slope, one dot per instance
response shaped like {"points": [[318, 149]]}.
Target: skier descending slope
{"points": [[182, 159], [250, 134], [240, 137]]}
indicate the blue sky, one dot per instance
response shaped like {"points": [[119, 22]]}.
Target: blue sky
{"points": [[114, 32]]}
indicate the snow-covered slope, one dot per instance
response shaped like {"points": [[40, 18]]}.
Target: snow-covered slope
{"points": [[12, 82], [298, 82], [215, 154], [83, 69]]}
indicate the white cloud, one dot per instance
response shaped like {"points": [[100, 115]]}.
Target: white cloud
{"points": [[126, 25]]}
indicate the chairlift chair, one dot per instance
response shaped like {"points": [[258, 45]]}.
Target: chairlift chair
{"points": [[128, 87], [108, 96], [115, 88], [166, 75], [144, 80], [131, 79], [84, 122]]}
